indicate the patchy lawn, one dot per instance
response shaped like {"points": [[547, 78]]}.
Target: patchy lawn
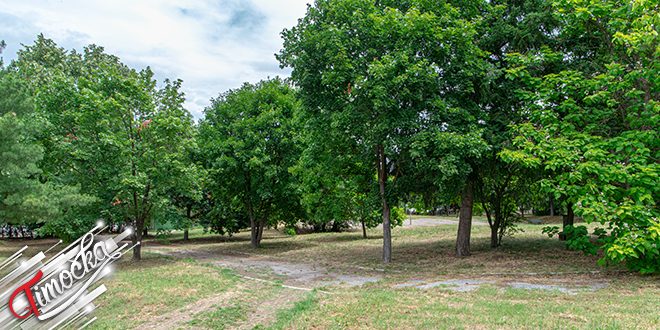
{"points": [[161, 292]]}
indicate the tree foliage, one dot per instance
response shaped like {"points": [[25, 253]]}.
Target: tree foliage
{"points": [[248, 142], [595, 117], [27, 196], [110, 129], [371, 76]]}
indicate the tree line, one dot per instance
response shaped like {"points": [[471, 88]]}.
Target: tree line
{"points": [[492, 106]]}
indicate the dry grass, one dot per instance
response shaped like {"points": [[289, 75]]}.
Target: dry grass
{"points": [[421, 251]]}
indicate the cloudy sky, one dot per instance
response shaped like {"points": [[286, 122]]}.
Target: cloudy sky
{"points": [[212, 45]]}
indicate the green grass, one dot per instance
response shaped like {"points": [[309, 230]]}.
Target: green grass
{"points": [[153, 286], [485, 308], [221, 317], [141, 291], [286, 318]]}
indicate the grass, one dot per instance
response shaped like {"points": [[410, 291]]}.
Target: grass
{"points": [[153, 286], [221, 317], [422, 251], [485, 308], [157, 286], [286, 318]]}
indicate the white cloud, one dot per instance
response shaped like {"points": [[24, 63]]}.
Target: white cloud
{"points": [[212, 45]]}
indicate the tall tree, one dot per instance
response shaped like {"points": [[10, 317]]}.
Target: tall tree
{"points": [[508, 27], [110, 129], [370, 76], [598, 121], [26, 195], [247, 139]]}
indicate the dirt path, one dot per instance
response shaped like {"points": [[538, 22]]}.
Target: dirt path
{"points": [[261, 312], [295, 280], [303, 276], [417, 222], [306, 277]]}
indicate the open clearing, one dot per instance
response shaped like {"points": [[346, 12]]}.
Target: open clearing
{"points": [[336, 281]]}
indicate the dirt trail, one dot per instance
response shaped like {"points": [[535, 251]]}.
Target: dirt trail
{"points": [[296, 279], [261, 312], [296, 275], [433, 221]]}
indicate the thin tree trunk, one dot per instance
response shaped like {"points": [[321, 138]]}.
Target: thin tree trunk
{"points": [[364, 230], [494, 237], [552, 207], [137, 237], [465, 222], [387, 233], [253, 227], [387, 228], [262, 224], [188, 213], [570, 216]]}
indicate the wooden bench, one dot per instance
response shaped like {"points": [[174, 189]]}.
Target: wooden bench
{"points": [[535, 221]]}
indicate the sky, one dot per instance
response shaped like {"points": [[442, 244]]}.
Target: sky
{"points": [[213, 46]]}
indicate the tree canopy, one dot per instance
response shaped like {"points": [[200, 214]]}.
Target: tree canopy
{"points": [[248, 142], [109, 129], [596, 119]]}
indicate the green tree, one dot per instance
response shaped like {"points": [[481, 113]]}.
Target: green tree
{"points": [[247, 137], [26, 195], [595, 120], [371, 77], [109, 129], [508, 27]]}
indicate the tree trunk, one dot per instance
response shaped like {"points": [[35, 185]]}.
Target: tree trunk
{"points": [[570, 216], [494, 229], [387, 233], [145, 232], [253, 227], [364, 230], [387, 227], [137, 237], [465, 222], [262, 224], [185, 235], [552, 207]]}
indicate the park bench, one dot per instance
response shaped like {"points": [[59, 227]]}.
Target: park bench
{"points": [[535, 221]]}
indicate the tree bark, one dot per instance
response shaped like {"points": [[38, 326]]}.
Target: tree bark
{"points": [[552, 207], [570, 216], [262, 224], [188, 214], [387, 233], [387, 227], [465, 221], [364, 230], [494, 229], [137, 238], [253, 227]]}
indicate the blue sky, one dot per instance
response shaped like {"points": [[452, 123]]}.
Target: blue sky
{"points": [[212, 45]]}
